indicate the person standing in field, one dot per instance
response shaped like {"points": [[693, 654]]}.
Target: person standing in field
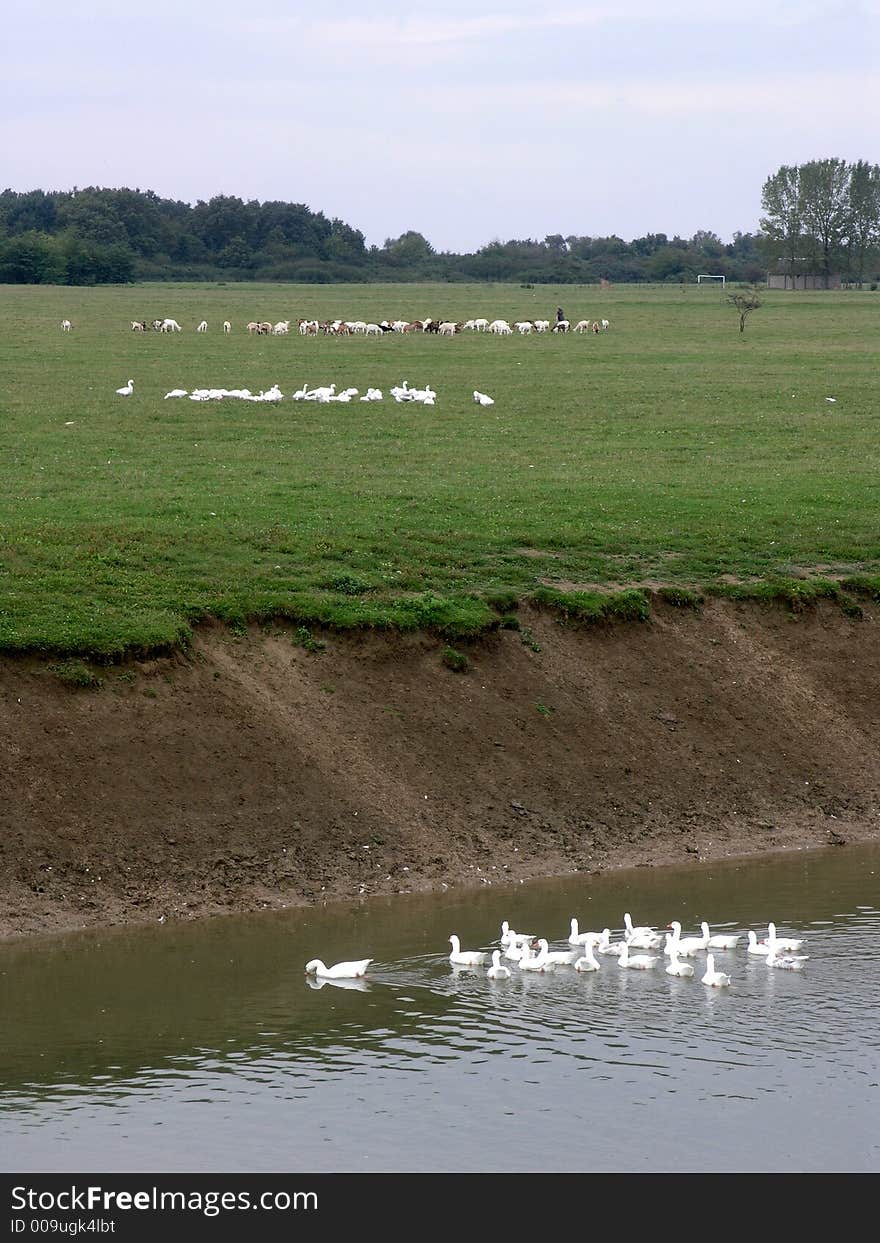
{"points": [[560, 315]]}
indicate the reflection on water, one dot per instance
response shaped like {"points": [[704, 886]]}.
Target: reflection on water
{"points": [[206, 1047]]}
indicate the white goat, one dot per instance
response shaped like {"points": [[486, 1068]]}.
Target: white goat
{"points": [[66, 325], [203, 326], [227, 327]]}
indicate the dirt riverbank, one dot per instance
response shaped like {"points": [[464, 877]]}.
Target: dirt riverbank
{"points": [[251, 772]]}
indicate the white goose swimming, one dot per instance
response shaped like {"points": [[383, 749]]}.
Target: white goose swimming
{"points": [[509, 937], [642, 962], [718, 941], [533, 962], [464, 958], [607, 946], [688, 946], [715, 979], [631, 931], [788, 944], [787, 962], [556, 958], [677, 968], [588, 961], [576, 937], [497, 971], [755, 946], [340, 970]]}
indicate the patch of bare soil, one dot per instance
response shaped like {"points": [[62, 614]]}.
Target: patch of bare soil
{"points": [[252, 773]]}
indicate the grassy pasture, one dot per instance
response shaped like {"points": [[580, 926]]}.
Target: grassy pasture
{"points": [[670, 449]]}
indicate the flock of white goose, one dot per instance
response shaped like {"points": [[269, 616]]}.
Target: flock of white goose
{"points": [[518, 948], [322, 393]]}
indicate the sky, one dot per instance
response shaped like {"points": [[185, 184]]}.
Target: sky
{"points": [[466, 122]]}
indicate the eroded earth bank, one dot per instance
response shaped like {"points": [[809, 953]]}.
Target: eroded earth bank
{"points": [[252, 771]]}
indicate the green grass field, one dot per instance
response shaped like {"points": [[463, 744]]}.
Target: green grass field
{"points": [[670, 449]]}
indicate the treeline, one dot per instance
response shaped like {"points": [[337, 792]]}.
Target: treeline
{"points": [[823, 218], [99, 236]]}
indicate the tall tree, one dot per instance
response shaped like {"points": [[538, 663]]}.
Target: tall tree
{"points": [[825, 196], [864, 216], [783, 225]]}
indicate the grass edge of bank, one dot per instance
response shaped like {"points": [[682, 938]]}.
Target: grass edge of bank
{"points": [[463, 619]]}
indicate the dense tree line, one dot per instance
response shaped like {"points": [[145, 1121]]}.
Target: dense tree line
{"points": [[823, 218], [97, 236]]}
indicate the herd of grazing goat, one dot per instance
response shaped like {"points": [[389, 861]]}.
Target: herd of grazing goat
{"points": [[359, 327]]}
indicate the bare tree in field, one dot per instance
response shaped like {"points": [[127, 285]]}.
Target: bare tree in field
{"points": [[745, 301]]}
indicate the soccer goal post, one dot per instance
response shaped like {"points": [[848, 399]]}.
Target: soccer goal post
{"points": [[707, 276]]}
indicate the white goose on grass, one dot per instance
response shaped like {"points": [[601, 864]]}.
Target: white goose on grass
{"points": [[787, 944], [688, 946], [483, 399], [127, 390], [498, 971], [588, 962], [464, 958], [677, 968], [714, 979], [340, 970], [641, 962], [323, 393], [557, 958], [718, 941], [175, 392]]}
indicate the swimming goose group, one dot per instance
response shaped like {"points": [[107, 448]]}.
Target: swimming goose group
{"points": [[519, 947]]}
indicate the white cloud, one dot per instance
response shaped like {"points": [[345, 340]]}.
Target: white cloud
{"points": [[393, 31], [832, 93]]}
